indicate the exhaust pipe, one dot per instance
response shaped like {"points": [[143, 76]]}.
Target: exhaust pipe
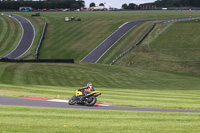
{"points": [[97, 94], [88, 95]]}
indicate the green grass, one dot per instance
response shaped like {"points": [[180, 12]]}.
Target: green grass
{"points": [[156, 80], [176, 50], [121, 86], [151, 86], [10, 34], [29, 119], [142, 98], [38, 24], [76, 39], [183, 40], [129, 40]]}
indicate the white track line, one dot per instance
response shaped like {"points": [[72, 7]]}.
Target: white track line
{"points": [[58, 100]]}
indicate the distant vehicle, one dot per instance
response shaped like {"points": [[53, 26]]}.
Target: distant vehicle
{"points": [[44, 9], [27, 9], [36, 14], [164, 8], [64, 10], [66, 19]]}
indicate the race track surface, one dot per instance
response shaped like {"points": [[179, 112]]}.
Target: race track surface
{"points": [[95, 55], [38, 103], [101, 49], [26, 39]]}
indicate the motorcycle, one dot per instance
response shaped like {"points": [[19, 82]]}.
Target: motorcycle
{"points": [[84, 99]]}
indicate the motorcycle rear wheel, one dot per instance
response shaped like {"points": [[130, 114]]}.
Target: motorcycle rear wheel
{"points": [[91, 101], [72, 101]]}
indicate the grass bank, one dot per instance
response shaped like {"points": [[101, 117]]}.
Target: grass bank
{"points": [[175, 50], [38, 24], [26, 119], [76, 39], [121, 86], [10, 34], [145, 88]]}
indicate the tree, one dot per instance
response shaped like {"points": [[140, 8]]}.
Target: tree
{"points": [[92, 4], [132, 6], [50, 4], [75, 6], [125, 6], [177, 3], [101, 4]]}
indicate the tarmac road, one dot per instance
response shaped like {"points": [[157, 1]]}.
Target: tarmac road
{"points": [[101, 49], [39, 103], [26, 39], [95, 55]]}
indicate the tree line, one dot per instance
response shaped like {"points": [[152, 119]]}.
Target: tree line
{"points": [[131, 6], [164, 3], [177, 3], [50, 4], [93, 4]]}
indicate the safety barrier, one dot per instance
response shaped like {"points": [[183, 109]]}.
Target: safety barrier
{"points": [[181, 19], [38, 61], [127, 51], [40, 43]]}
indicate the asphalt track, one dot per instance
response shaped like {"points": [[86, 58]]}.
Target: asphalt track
{"points": [[101, 49], [26, 39], [10, 101], [95, 55]]}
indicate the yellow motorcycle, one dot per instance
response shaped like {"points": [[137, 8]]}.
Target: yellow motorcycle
{"points": [[88, 99]]}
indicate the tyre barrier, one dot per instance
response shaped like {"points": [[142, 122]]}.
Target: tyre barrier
{"points": [[38, 61], [40, 43]]}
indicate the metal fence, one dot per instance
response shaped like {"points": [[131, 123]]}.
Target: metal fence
{"points": [[40, 43], [127, 51]]}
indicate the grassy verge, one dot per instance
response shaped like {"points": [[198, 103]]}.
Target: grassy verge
{"points": [[121, 86], [129, 40], [76, 39], [102, 75], [183, 41], [10, 34], [28, 119], [38, 24], [176, 50], [142, 98]]}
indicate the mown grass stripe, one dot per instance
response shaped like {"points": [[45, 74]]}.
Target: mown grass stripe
{"points": [[125, 43], [10, 36], [60, 120], [4, 27], [1, 27], [4, 31]]}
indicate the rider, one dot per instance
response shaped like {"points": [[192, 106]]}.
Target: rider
{"points": [[88, 87]]}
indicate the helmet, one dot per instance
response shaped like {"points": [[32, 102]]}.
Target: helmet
{"points": [[89, 84]]}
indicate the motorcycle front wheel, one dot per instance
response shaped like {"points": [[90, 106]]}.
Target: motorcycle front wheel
{"points": [[72, 101], [91, 101]]}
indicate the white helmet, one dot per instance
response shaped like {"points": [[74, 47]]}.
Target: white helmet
{"points": [[89, 84]]}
